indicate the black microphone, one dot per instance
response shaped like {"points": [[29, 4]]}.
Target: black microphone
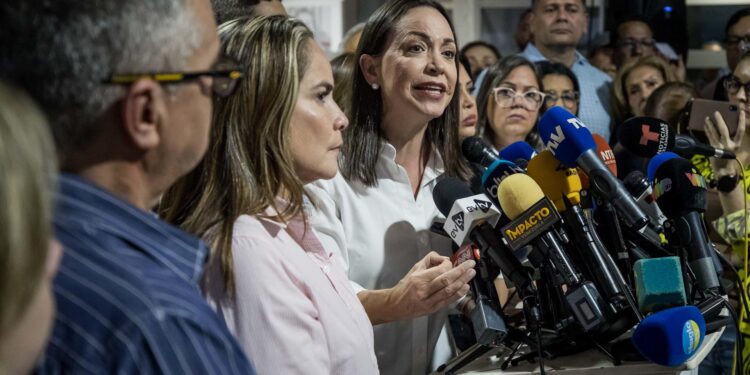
{"points": [[648, 136], [680, 192], [637, 184], [558, 182], [470, 223], [477, 150], [532, 219]]}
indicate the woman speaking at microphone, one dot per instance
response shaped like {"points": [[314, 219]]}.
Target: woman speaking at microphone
{"points": [[378, 210], [286, 297]]}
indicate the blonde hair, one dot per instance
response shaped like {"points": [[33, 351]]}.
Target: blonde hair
{"points": [[248, 163], [27, 181], [620, 96]]}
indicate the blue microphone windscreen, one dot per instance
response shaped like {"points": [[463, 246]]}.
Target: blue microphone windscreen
{"points": [[659, 284], [670, 337], [656, 162], [565, 135], [518, 150]]}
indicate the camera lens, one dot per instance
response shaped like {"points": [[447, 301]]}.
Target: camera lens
{"points": [[732, 107]]}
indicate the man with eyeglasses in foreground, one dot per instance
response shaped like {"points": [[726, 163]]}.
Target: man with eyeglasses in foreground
{"points": [[127, 87]]}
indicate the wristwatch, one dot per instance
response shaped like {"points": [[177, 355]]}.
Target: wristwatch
{"points": [[726, 184]]}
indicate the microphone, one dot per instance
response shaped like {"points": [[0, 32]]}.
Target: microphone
{"points": [[659, 283], [478, 151], [571, 143], [557, 181], [680, 192], [518, 151], [494, 174], [670, 337], [489, 327], [464, 212], [605, 153], [637, 185], [481, 233], [532, 219], [648, 136]]}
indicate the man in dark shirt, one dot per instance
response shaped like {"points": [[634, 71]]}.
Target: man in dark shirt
{"points": [[127, 289]]}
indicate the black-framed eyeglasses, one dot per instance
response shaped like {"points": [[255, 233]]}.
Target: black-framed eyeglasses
{"points": [[631, 43], [224, 74], [569, 98], [733, 86], [742, 41]]}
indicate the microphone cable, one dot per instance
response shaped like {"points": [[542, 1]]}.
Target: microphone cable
{"points": [[739, 342], [539, 341]]}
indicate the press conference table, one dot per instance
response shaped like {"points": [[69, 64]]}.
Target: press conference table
{"points": [[593, 362]]}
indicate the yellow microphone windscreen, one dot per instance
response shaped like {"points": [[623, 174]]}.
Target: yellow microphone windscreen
{"points": [[517, 193], [555, 180]]}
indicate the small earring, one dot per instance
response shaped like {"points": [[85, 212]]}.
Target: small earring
{"points": [[375, 86]]}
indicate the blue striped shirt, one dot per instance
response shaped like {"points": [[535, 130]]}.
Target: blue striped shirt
{"points": [[596, 90], [128, 298]]}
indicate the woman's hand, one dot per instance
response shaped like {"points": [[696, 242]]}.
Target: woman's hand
{"points": [[718, 133], [431, 284]]}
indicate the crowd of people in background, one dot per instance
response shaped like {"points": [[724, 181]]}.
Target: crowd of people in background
{"points": [[192, 186]]}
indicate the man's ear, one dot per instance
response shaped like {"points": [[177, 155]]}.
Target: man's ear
{"points": [[370, 66], [143, 111]]}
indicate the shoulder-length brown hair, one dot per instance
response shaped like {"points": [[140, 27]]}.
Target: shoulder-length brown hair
{"points": [[622, 110], [28, 169], [495, 75], [364, 137], [248, 163]]}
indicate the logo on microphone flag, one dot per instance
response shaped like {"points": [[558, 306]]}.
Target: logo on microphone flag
{"points": [[459, 220], [647, 135], [696, 180], [691, 337], [483, 205], [661, 187]]}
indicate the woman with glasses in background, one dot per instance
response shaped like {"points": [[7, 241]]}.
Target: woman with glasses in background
{"points": [[560, 86], [509, 103]]}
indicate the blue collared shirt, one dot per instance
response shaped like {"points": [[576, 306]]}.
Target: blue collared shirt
{"points": [[596, 88], [128, 298]]}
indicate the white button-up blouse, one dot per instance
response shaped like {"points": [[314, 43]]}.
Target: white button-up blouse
{"points": [[381, 232]]}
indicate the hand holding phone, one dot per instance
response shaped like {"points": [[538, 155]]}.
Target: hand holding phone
{"points": [[718, 133], [700, 109]]}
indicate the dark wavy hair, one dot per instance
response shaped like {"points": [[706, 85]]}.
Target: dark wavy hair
{"points": [[364, 137]]}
